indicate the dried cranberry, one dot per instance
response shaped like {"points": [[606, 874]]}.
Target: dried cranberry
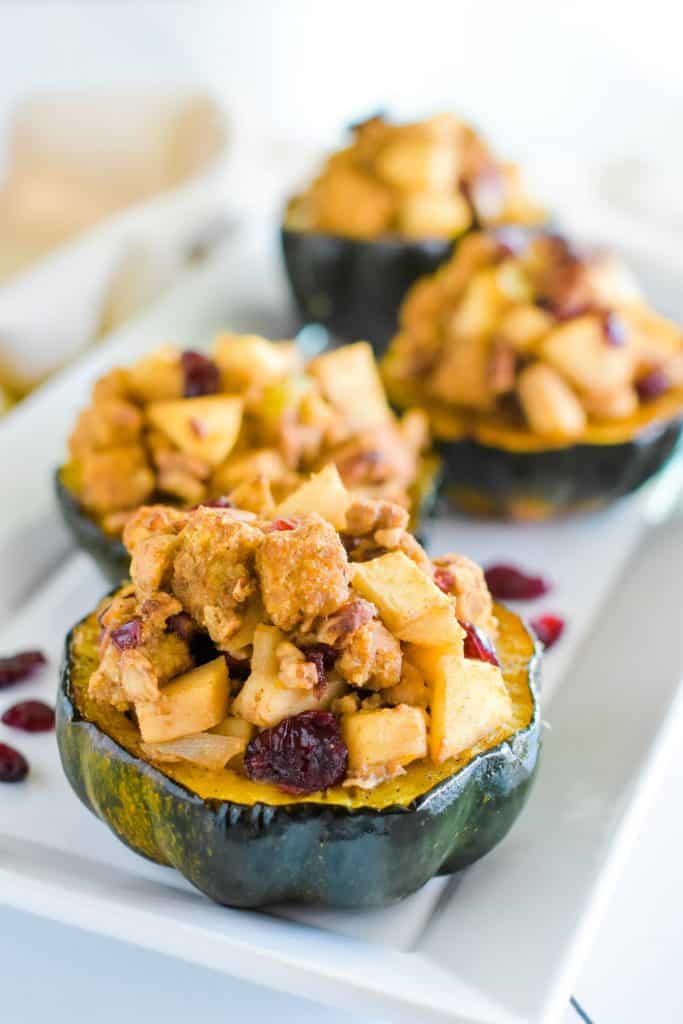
{"points": [[201, 376], [323, 657], [182, 625], [548, 629], [444, 580], [302, 754], [128, 635], [239, 668], [281, 524], [31, 716], [614, 330], [653, 385], [477, 645], [508, 583], [13, 765], [20, 666]]}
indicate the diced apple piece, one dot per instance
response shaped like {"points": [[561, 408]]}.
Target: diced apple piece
{"points": [[246, 359], [191, 703], [549, 404], [614, 405], [410, 604], [207, 750], [349, 378], [462, 375], [428, 659], [234, 726], [522, 326], [430, 214], [157, 377], [264, 700], [254, 496], [582, 354], [478, 311], [413, 164], [207, 426], [241, 468], [385, 738], [323, 493], [469, 702]]}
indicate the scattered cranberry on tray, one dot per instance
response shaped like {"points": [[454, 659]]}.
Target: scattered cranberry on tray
{"points": [[201, 376], [477, 645], [31, 716], [302, 754], [13, 765], [20, 666], [548, 629], [508, 583]]}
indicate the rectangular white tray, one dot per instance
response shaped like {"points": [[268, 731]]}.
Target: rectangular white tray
{"points": [[500, 942]]}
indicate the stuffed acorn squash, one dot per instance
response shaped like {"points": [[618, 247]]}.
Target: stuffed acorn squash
{"points": [[550, 385], [244, 426], [387, 209], [302, 708]]}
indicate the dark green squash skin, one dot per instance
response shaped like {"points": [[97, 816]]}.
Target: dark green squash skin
{"points": [[355, 287], [246, 856], [107, 551], [480, 479], [114, 561]]}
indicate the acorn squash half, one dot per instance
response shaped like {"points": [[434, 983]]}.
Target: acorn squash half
{"points": [[496, 467], [108, 552], [248, 844], [355, 287]]}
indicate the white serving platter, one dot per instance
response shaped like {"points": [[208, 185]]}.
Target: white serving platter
{"points": [[501, 942]]}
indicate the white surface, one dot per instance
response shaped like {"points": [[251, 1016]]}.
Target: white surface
{"points": [[435, 951]]}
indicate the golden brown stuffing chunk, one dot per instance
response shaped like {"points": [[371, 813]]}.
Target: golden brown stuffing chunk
{"points": [[151, 566], [350, 617], [467, 583], [371, 657], [151, 520], [114, 384], [294, 671], [110, 423], [365, 515], [133, 668], [213, 570], [115, 479], [303, 572]]}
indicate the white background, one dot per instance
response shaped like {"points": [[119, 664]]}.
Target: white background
{"points": [[594, 79], [589, 76]]}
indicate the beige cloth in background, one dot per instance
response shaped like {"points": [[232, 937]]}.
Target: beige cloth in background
{"points": [[74, 160]]}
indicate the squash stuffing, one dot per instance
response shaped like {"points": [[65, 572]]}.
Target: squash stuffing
{"points": [[319, 614]]}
